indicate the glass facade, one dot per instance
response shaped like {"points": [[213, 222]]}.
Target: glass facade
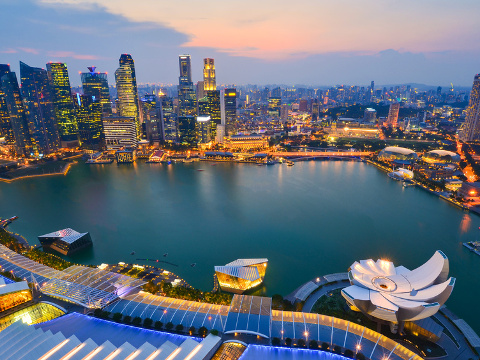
{"points": [[16, 111], [11, 300], [31, 315], [209, 81], [230, 111], [152, 118], [95, 84], [229, 351], [187, 98], [186, 130], [397, 154], [169, 119], [127, 90], [37, 96], [62, 101], [89, 119]]}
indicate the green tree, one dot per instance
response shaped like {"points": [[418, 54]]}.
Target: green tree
{"points": [[97, 312], [158, 325], [360, 356], [301, 343], [192, 330], [276, 341], [348, 353], [137, 320], [337, 349], [288, 342], [127, 319], [313, 344], [147, 322], [169, 326], [117, 317], [214, 332], [325, 346], [202, 331], [179, 328]]}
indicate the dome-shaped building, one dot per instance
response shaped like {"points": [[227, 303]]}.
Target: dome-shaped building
{"points": [[397, 154], [441, 157]]}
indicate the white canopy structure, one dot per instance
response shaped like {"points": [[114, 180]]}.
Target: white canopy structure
{"points": [[397, 294]]}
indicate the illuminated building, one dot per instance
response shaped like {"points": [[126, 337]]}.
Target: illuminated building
{"points": [[30, 315], [16, 123], [152, 118], [230, 100], [125, 156], [441, 157], [209, 81], [397, 154], [246, 142], [13, 293], [393, 111], [37, 96], [370, 115], [89, 120], [66, 241], [203, 129], [395, 294], [241, 275], [274, 106], [119, 132], [62, 102], [127, 90], [169, 119], [470, 191], [95, 84], [186, 130], [186, 91], [213, 109], [76, 336], [471, 127]]}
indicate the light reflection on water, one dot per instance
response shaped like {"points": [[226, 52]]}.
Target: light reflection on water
{"points": [[309, 220]]}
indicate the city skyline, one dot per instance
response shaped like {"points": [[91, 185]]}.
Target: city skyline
{"points": [[356, 45]]}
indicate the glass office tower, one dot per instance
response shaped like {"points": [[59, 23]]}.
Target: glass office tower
{"points": [[95, 84]]}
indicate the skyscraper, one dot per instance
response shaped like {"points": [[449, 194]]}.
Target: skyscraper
{"points": [[17, 121], [187, 103], [37, 95], [230, 100], [89, 119], [186, 91], [274, 106], [95, 84], [471, 127], [127, 90], [152, 117], [62, 101], [169, 119], [209, 81], [393, 111]]}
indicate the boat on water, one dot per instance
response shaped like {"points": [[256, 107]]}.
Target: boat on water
{"points": [[193, 264], [99, 161], [290, 163], [133, 253]]}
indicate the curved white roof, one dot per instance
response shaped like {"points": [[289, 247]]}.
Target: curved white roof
{"points": [[396, 293], [442, 153], [399, 150]]}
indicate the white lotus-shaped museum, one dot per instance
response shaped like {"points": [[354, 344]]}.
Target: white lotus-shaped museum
{"points": [[397, 294]]}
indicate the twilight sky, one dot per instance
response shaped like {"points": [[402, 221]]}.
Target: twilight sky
{"points": [[313, 42]]}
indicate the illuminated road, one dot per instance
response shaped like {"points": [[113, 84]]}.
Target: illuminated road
{"points": [[321, 154]]}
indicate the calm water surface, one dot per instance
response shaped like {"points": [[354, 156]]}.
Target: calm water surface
{"points": [[311, 219]]}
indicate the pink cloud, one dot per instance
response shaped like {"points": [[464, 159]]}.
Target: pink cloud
{"points": [[9, 51], [29, 50], [73, 55]]}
